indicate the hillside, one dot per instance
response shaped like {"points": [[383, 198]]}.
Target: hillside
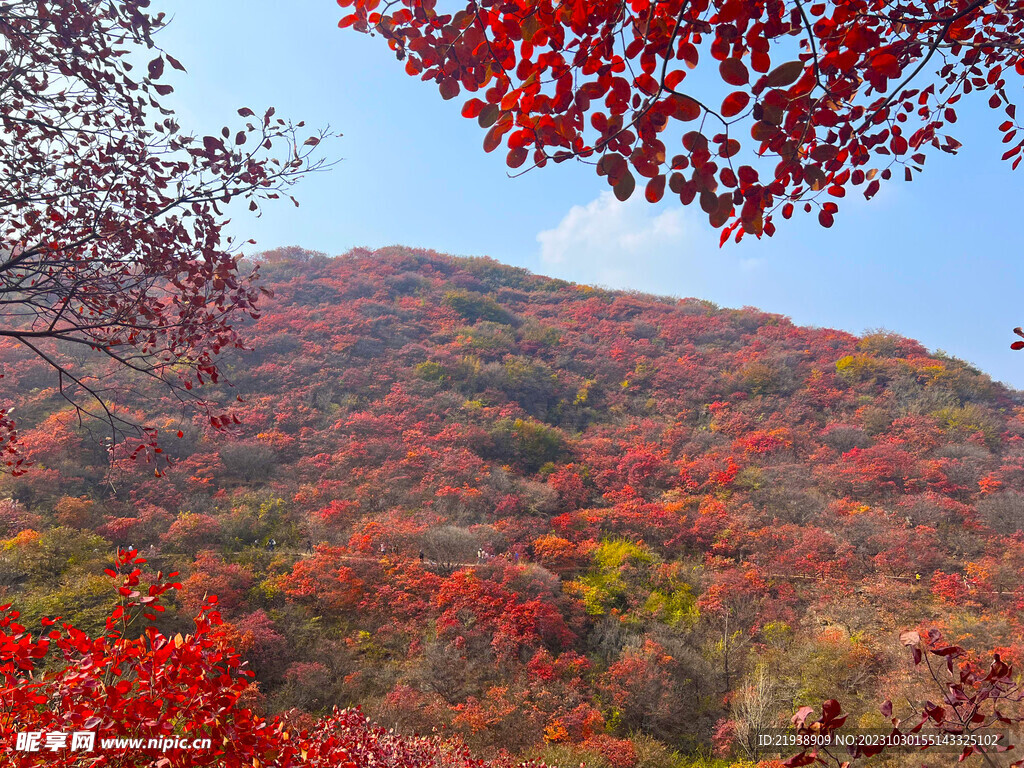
{"points": [[554, 520]]}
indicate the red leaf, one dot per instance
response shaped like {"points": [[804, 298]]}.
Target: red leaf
{"points": [[516, 157], [830, 710], [674, 78], [449, 88], [801, 716], [655, 189], [686, 109], [735, 103], [734, 72], [800, 759], [492, 140], [886, 64], [212, 143], [472, 108]]}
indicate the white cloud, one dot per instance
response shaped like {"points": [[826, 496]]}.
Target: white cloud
{"points": [[663, 250]]}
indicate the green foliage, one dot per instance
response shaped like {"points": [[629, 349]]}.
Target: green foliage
{"points": [[249, 461], [749, 478], [526, 442], [57, 553], [617, 553], [475, 306], [570, 755], [257, 515], [540, 333], [532, 385], [881, 344], [673, 607], [628, 580], [968, 420], [428, 370], [83, 600], [59, 572], [497, 275], [488, 339]]}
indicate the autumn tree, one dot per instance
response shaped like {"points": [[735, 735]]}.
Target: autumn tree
{"points": [[132, 681], [113, 258], [775, 104]]}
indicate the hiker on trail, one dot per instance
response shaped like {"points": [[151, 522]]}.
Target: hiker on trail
{"points": [[421, 555], [382, 549], [309, 546], [517, 557], [271, 545]]}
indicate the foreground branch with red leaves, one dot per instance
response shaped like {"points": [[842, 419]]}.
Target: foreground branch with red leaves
{"points": [[776, 104], [973, 701], [111, 217], [134, 682]]}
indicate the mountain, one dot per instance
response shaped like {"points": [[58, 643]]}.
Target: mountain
{"points": [[555, 520]]}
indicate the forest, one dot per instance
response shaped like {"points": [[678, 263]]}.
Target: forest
{"points": [[528, 519]]}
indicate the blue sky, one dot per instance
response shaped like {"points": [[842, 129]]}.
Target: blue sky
{"points": [[936, 260]]}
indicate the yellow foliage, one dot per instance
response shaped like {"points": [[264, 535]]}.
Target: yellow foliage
{"points": [[857, 368], [555, 732]]}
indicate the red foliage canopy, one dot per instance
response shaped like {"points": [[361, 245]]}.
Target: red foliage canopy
{"points": [[824, 89], [142, 684]]}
